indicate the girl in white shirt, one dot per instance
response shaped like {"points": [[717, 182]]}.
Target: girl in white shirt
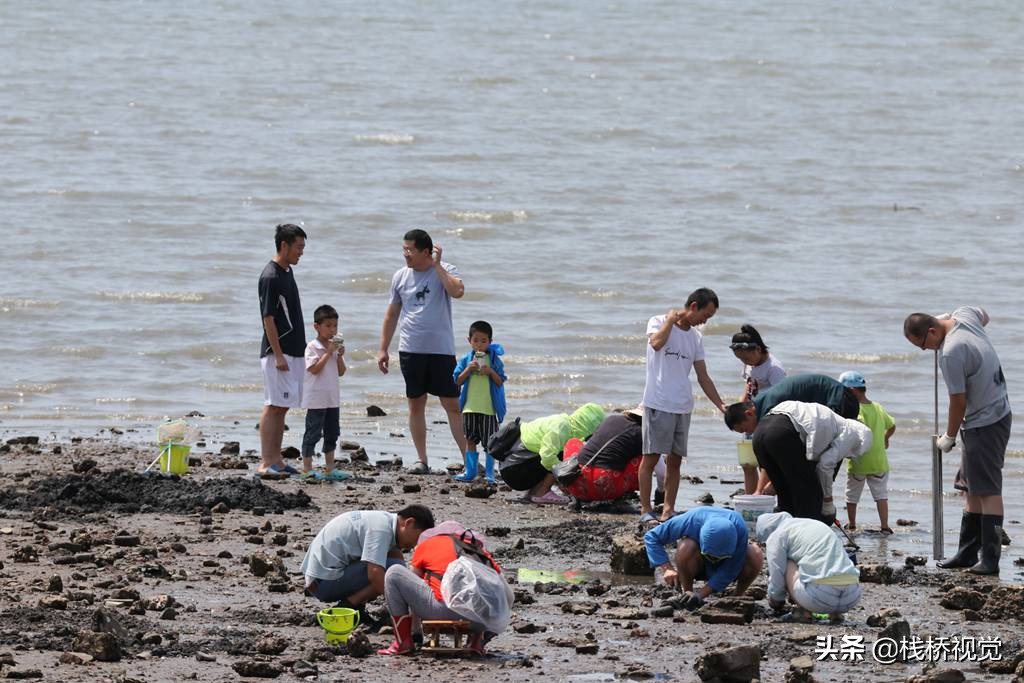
{"points": [[760, 371]]}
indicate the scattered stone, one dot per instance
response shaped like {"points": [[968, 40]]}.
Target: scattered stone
{"points": [[705, 499], [481, 490], [710, 615], [529, 627], [876, 573], [169, 614], [881, 617], [221, 508], [897, 631], [359, 645], [26, 553], [1005, 538], [271, 645], [204, 657], [906, 522], [375, 411], [84, 465], [800, 670], [291, 453], [385, 489], [151, 639], [915, 561], [588, 648], [497, 531], [230, 448], [55, 584], [624, 614], [23, 441], [53, 602], [579, 607], [410, 488], [304, 669], [126, 541], [663, 612], [348, 446], [595, 587], [23, 674], [76, 658], [742, 663], [257, 669], [629, 555], [937, 675], [960, 598], [101, 646]]}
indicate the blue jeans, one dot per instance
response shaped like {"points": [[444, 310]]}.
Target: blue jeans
{"points": [[354, 579], [321, 422]]}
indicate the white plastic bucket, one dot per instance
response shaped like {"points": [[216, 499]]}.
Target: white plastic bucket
{"points": [[751, 507]]}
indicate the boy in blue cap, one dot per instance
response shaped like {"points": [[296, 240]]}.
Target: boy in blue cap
{"points": [[712, 547], [873, 466]]}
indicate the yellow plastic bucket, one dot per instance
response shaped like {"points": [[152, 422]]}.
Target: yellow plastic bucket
{"points": [[337, 623], [174, 459], [745, 451]]}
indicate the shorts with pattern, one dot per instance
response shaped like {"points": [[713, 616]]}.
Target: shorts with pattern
{"points": [[478, 427]]}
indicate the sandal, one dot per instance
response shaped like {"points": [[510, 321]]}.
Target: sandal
{"points": [[649, 518], [336, 475]]}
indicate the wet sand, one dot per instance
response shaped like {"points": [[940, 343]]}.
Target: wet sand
{"points": [[168, 569]]}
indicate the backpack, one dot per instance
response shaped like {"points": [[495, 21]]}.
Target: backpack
{"points": [[503, 440], [467, 545], [473, 588]]}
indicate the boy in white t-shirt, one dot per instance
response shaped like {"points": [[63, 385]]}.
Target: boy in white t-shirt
{"points": [[325, 363], [673, 348]]}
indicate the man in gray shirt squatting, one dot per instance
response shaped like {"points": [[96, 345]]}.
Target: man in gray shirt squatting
{"points": [[979, 408]]}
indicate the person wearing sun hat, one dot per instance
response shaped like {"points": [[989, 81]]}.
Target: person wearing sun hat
{"points": [[871, 468], [712, 546]]}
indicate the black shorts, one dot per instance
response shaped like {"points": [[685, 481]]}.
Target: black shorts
{"points": [[478, 428], [981, 462], [525, 475], [428, 373]]}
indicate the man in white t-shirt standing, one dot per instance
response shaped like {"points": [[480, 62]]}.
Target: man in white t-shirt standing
{"points": [[673, 348], [421, 305]]}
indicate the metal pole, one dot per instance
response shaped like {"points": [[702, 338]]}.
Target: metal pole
{"points": [[937, 525]]}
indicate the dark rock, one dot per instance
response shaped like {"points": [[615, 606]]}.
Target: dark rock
{"points": [[221, 508], [410, 488], [665, 611], [230, 448], [710, 615], [203, 657], [291, 453], [497, 531], [897, 630], [529, 627], [257, 669], [304, 669], [579, 607], [75, 658], [26, 553], [375, 411], [169, 614], [915, 561], [271, 645], [103, 647], [1005, 538], [742, 663], [479, 490], [963, 598], [23, 441], [882, 617], [588, 648], [906, 522], [385, 489], [595, 587], [705, 499], [84, 465], [937, 675], [624, 614], [55, 584], [53, 602], [126, 541], [629, 555], [743, 606], [359, 645], [23, 674], [876, 573]]}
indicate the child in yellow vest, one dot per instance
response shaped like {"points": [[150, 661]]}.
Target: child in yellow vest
{"points": [[873, 466]]}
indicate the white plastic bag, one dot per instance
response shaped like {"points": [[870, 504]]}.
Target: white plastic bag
{"points": [[177, 432], [478, 593]]}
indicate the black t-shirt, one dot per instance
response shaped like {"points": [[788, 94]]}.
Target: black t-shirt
{"points": [[621, 439], [279, 297], [808, 388]]}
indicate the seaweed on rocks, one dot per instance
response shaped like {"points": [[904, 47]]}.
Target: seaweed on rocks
{"points": [[130, 492]]}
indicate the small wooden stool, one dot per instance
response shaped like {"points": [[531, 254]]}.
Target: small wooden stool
{"points": [[457, 630]]}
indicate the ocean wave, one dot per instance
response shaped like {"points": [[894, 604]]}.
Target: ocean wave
{"points": [[84, 351], [513, 216], [232, 388], [7, 304], [370, 283], [470, 233], [601, 294], [156, 297], [129, 399], [594, 359], [30, 389], [864, 358], [386, 139]]}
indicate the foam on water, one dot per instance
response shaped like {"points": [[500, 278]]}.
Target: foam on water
{"points": [[386, 139]]}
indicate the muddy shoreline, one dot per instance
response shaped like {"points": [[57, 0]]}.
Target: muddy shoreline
{"points": [[196, 579]]}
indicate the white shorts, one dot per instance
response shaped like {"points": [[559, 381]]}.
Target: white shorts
{"points": [[877, 483], [282, 388]]}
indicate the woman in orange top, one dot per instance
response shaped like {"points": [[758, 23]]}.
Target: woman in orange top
{"points": [[417, 591]]}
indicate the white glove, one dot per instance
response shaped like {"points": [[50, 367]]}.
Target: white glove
{"points": [[828, 508], [946, 443]]}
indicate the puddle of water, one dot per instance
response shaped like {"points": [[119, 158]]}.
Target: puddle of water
{"points": [[526, 575], [609, 677]]}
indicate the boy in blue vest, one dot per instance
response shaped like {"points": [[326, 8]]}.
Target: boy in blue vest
{"points": [[480, 375]]}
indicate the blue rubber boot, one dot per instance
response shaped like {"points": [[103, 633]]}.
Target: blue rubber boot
{"points": [[472, 460], [489, 469]]}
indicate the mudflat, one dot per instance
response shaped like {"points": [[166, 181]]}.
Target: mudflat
{"points": [[108, 574]]}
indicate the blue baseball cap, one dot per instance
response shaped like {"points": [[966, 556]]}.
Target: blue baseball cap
{"points": [[853, 379]]}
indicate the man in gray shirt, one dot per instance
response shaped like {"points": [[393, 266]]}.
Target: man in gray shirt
{"points": [[979, 408], [421, 304], [347, 559]]}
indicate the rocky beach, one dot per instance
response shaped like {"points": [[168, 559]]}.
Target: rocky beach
{"points": [[107, 574]]}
